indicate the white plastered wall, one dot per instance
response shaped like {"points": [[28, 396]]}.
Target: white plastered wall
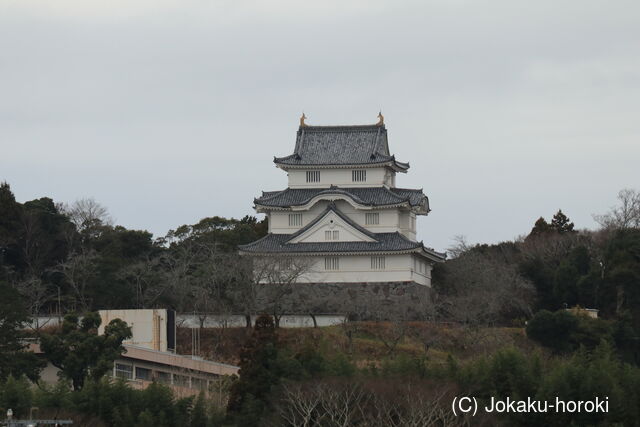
{"points": [[357, 268], [340, 177], [389, 218], [336, 228]]}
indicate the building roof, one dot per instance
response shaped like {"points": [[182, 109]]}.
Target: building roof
{"points": [[370, 196], [178, 361], [341, 146], [166, 358], [276, 244], [383, 242]]}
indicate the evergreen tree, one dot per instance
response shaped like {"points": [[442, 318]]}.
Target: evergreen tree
{"points": [[561, 223], [540, 228], [14, 360], [199, 412], [249, 396], [79, 351]]}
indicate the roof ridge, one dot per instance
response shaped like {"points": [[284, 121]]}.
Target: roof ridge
{"points": [[407, 189], [330, 127]]}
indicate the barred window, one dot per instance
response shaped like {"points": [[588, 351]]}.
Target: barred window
{"points": [[332, 263], [313, 176], [359, 175], [377, 263], [372, 218], [295, 220], [331, 235]]}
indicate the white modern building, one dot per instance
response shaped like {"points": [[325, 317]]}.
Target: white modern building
{"points": [[342, 210]]}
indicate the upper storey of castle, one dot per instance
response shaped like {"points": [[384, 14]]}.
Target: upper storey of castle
{"points": [[345, 156]]}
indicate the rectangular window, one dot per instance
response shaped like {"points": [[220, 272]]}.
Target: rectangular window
{"points": [[422, 266], [180, 380], [284, 264], [331, 235], [198, 383], [359, 175], [313, 176], [295, 220], [163, 377], [332, 263], [124, 371], [377, 263], [372, 218], [143, 374]]}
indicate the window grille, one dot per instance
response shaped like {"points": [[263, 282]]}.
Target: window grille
{"points": [[331, 235], [332, 263], [359, 175], [295, 220], [377, 263], [372, 218], [313, 176]]}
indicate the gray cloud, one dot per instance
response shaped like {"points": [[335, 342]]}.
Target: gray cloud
{"points": [[167, 112]]}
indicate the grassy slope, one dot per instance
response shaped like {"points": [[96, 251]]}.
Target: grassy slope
{"points": [[370, 342]]}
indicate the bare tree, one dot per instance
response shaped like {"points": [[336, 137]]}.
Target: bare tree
{"points": [[79, 270], [87, 215], [483, 289], [392, 333], [339, 404], [459, 246], [299, 408], [146, 278], [275, 276], [625, 215], [35, 294]]}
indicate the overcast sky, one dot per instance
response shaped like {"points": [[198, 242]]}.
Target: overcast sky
{"points": [[170, 111]]}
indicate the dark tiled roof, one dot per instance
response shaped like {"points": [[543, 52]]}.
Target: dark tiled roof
{"points": [[371, 196], [341, 145], [384, 242], [277, 243]]}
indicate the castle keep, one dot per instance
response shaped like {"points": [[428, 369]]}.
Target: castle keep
{"points": [[342, 210]]}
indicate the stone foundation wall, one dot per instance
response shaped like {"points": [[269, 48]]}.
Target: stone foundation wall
{"points": [[359, 301]]}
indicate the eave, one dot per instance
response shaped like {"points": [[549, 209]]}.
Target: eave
{"points": [[392, 164]]}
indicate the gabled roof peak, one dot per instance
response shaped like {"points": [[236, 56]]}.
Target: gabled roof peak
{"points": [[341, 145], [332, 208]]}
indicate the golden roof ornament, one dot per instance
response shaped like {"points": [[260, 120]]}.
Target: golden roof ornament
{"points": [[380, 119], [302, 119]]}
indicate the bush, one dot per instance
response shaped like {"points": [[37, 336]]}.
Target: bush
{"points": [[563, 331]]}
